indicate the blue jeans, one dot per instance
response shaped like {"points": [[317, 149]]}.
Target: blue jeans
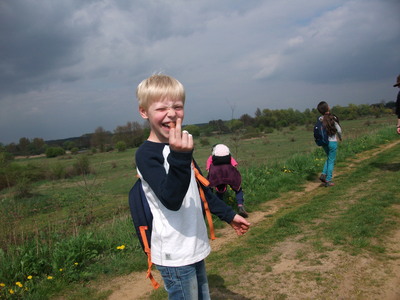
{"points": [[330, 151], [186, 282], [239, 194]]}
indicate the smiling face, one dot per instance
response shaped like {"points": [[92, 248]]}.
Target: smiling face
{"points": [[161, 114]]}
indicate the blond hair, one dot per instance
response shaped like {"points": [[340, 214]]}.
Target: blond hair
{"points": [[158, 87]]}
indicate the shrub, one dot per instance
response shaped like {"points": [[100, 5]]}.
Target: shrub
{"points": [[121, 146], [54, 152], [5, 157], [23, 188], [74, 150], [268, 130], [251, 133], [11, 173], [204, 142], [58, 171], [193, 130], [82, 165], [5, 161]]}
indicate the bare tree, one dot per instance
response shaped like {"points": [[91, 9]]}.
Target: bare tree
{"points": [[100, 138], [233, 107], [132, 134]]}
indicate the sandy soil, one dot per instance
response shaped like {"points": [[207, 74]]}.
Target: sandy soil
{"points": [[350, 277]]}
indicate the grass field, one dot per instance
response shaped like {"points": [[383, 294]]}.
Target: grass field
{"points": [[335, 243], [75, 230]]}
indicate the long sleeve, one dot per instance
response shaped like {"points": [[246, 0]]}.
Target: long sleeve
{"points": [[170, 188], [233, 162], [339, 130], [179, 233], [209, 162]]}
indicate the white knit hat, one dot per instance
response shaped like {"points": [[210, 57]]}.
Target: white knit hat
{"points": [[220, 150]]}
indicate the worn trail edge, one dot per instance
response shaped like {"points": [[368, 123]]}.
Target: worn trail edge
{"points": [[282, 281]]}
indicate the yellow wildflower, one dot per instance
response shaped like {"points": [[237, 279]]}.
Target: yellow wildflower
{"points": [[76, 264], [61, 270], [18, 283], [11, 291], [2, 284], [122, 247], [49, 277], [29, 277]]}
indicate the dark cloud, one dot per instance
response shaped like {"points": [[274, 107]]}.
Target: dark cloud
{"points": [[38, 41], [82, 60]]}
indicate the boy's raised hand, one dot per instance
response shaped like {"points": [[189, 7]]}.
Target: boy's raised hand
{"points": [[240, 225], [180, 141]]}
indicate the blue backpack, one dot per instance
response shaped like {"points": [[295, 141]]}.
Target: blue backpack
{"points": [[142, 221], [141, 213], [143, 218], [320, 134]]}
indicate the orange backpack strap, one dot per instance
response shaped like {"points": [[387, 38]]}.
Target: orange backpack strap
{"points": [[143, 229], [201, 180]]}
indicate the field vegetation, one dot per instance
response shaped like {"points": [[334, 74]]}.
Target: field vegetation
{"points": [[132, 134], [64, 222]]}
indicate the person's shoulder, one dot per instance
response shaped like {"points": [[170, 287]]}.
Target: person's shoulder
{"points": [[335, 118], [148, 149], [148, 145]]}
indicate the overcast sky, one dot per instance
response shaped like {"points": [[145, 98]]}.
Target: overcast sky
{"points": [[70, 66]]}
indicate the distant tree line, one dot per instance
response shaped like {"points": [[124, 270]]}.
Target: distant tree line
{"points": [[132, 134]]}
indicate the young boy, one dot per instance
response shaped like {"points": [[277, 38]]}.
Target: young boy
{"points": [[179, 242]]}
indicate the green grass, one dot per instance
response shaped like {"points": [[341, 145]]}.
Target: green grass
{"points": [[355, 216], [84, 219], [371, 214]]}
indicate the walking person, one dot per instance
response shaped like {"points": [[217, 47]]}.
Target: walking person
{"points": [[398, 104], [334, 131]]}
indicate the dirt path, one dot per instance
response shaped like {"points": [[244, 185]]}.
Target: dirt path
{"points": [[343, 267]]}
